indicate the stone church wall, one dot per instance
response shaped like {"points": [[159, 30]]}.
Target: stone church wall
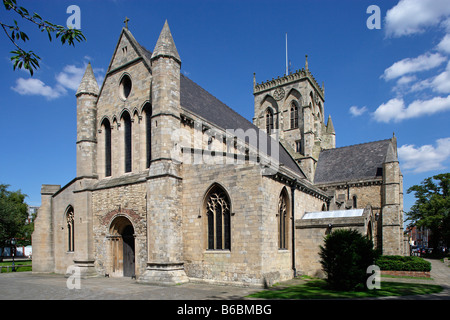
{"points": [[127, 201], [55, 231], [241, 263], [255, 258], [277, 263]]}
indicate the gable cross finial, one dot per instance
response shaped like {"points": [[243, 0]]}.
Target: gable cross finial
{"points": [[126, 22]]}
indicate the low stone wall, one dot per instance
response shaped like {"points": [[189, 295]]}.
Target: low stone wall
{"points": [[421, 274]]}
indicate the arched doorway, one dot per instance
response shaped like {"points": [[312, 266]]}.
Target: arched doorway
{"points": [[122, 246]]}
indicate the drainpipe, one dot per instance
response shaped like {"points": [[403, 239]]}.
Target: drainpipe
{"points": [[293, 187]]}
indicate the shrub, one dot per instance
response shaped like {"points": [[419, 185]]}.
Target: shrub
{"points": [[400, 263], [345, 256]]}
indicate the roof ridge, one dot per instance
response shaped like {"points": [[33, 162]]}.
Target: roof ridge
{"points": [[358, 144]]}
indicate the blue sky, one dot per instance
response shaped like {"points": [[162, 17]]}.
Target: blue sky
{"points": [[377, 81]]}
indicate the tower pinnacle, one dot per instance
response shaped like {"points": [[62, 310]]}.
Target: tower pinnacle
{"points": [[88, 83], [165, 46]]}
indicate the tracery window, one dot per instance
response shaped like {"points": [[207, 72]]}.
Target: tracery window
{"points": [[294, 115], [70, 229], [282, 220], [219, 221], [269, 121]]}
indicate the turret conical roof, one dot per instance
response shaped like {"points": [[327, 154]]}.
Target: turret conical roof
{"points": [[88, 83], [330, 127], [165, 46]]}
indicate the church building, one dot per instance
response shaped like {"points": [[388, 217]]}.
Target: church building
{"points": [[172, 185]]}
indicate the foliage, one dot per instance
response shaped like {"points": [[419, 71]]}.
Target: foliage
{"points": [[345, 257], [13, 215], [432, 208], [29, 60], [400, 263]]}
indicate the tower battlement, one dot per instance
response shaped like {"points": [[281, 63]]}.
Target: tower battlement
{"points": [[298, 75]]}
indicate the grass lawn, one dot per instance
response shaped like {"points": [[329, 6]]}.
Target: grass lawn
{"points": [[317, 289], [24, 265]]}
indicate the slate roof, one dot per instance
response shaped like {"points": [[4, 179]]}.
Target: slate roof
{"points": [[200, 102], [352, 163]]}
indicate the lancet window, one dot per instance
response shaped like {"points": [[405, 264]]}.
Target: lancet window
{"points": [[219, 220]]}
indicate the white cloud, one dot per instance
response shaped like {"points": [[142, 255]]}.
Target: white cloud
{"points": [[34, 86], [424, 158], [439, 83], [404, 84], [414, 16], [356, 112], [389, 110], [69, 78], [444, 45], [406, 80], [395, 110], [423, 62]]}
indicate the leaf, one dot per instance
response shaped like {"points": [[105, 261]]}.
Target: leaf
{"points": [[26, 60], [35, 15], [24, 36]]}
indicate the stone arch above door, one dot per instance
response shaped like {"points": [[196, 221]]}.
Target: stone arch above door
{"points": [[121, 246]]}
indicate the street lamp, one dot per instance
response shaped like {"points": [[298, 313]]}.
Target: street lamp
{"points": [[13, 244]]}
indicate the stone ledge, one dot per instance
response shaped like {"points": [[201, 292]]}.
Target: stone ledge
{"points": [[420, 274]]}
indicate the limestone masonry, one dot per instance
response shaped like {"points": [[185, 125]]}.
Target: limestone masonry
{"points": [[174, 186]]}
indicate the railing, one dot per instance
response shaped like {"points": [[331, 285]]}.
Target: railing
{"points": [[11, 268]]}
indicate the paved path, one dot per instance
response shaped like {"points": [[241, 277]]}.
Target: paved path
{"points": [[26, 285], [29, 286]]}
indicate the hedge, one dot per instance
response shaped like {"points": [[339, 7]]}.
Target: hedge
{"points": [[401, 263]]}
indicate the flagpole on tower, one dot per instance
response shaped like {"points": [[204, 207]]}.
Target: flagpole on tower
{"points": [[286, 56]]}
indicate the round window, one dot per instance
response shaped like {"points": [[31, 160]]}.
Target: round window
{"points": [[125, 87]]}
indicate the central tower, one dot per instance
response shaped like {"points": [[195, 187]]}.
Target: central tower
{"points": [[292, 108]]}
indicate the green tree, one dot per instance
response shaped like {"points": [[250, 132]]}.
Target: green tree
{"points": [[13, 215], [345, 257], [432, 208], [28, 59]]}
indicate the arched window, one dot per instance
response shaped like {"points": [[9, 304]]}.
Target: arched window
{"points": [[148, 133], [283, 213], [294, 115], [127, 140], [354, 202], [107, 129], [269, 121], [70, 229], [219, 221]]}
